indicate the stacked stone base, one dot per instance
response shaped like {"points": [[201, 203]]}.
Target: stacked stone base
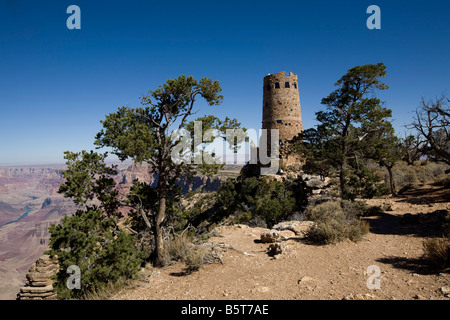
{"points": [[39, 285]]}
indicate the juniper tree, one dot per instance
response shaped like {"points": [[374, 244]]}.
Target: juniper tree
{"points": [[352, 114], [146, 134], [432, 122], [386, 149], [91, 239]]}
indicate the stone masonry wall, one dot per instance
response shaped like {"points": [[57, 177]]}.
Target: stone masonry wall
{"points": [[282, 111], [281, 105]]}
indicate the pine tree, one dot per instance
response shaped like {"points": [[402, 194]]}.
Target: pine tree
{"points": [[353, 114]]}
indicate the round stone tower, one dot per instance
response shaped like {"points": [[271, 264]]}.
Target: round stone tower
{"points": [[281, 110]]}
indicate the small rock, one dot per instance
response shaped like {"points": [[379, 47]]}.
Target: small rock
{"points": [[300, 228], [305, 279], [419, 297], [359, 296], [263, 289], [445, 291], [276, 248], [269, 236]]}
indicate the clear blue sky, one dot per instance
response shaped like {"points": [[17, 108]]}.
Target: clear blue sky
{"points": [[57, 84]]}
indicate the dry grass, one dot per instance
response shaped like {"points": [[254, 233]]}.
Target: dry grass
{"points": [[335, 224], [194, 256], [437, 252], [106, 292]]}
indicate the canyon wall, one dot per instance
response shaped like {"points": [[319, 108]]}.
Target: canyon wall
{"points": [[30, 203]]}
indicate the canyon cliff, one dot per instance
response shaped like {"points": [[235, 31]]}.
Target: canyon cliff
{"points": [[30, 203]]}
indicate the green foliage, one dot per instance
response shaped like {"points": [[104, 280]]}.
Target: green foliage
{"points": [[408, 176], [443, 180], [91, 241], [353, 114], [157, 133], [335, 222], [360, 209], [412, 147], [259, 198], [88, 178], [363, 181]]}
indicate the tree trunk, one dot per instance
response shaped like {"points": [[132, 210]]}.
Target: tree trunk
{"points": [[391, 181], [159, 219], [344, 193]]}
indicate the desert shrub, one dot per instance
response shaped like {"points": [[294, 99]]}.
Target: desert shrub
{"points": [[364, 182], [182, 247], [177, 248], [405, 176], [443, 180], [360, 209], [260, 199], [257, 222], [437, 252], [445, 224], [334, 223], [195, 258], [105, 254], [255, 201]]}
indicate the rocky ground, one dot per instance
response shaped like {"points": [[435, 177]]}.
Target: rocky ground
{"points": [[305, 271]]}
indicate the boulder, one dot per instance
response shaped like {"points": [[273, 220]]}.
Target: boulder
{"points": [[36, 289], [269, 236], [300, 228], [39, 276], [40, 284], [275, 248], [445, 291], [360, 296], [315, 182]]}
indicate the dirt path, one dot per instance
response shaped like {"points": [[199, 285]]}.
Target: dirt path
{"points": [[306, 271]]}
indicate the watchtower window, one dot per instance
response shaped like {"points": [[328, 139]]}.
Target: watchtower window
{"points": [[279, 121], [277, 85], [286, 84], [295, 85], [268, 86]]}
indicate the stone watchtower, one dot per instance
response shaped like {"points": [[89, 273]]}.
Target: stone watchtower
{"points": [[282, 111]]}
